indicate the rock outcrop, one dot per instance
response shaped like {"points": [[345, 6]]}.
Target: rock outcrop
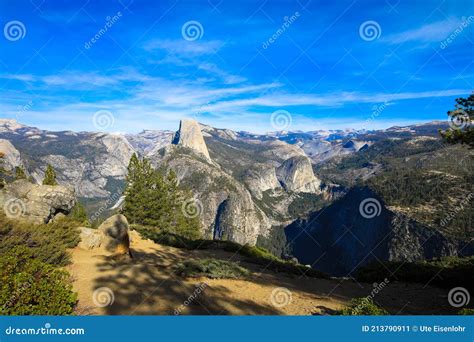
{"points": [[261, 178], [226, 208], [112, 236], [190, 135], [296, 174], [36, 203], [11, 157], [358, 229]]}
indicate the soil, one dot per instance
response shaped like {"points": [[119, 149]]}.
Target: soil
{"points": [[148, 285]]}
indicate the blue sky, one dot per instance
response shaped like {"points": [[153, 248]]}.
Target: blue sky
{"points": [[233, 64]]}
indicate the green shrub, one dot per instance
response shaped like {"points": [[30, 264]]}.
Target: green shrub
{"points": [[252, 254], [212, 268], [446, 272], [466, 312], [29, 286], [363, 306], [47, 242]]}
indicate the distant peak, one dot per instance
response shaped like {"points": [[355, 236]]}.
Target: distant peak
{"points": [[190, 135]]}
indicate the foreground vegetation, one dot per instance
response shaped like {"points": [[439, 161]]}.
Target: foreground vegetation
{"points": [[447, 272], [31, 279], [251, 254], [212, 268]]}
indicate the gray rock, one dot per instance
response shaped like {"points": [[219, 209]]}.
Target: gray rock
{"points": [[296, 174], [112, 236], [90, 238], [12, 157], [36, 203], [190, 135], [115, 232]]}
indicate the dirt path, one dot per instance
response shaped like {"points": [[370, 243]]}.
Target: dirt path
{"points": [[147, 285]]}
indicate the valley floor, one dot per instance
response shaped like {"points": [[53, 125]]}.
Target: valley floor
{"points": [[147, 285]]}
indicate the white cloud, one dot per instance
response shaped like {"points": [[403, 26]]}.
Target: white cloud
{"points": [[433, 32], [183, 47]]}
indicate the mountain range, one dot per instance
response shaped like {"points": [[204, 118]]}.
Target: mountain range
{"points": [[299, 194]]}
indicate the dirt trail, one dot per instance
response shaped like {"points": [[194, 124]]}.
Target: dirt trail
{"points": [[147, 285]]}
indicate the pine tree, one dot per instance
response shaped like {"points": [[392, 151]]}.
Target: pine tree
{"points": [[50, 176], [20, 173], [461, 117], [153, 198], [3, 171]]}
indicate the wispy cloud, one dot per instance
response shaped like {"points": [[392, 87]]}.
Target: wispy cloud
{"points": [[184, 48], [433, 32]]}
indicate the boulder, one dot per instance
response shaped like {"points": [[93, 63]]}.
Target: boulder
{"points": [[115, 232], [112, 236], [36, 203]]}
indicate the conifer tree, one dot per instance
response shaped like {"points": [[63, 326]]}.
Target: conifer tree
{"points": [[50, 176], [154, 199], [20, 173]]}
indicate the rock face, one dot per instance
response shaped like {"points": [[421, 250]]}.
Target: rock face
{"points": [[341, 239], [260, 179], [112, 236], [190, 135], [226, 208], [11, 157], [36, 203], [296, 174]]}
